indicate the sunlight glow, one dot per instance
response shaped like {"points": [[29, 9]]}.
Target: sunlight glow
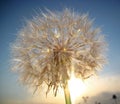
{"points": [[77, 87]]}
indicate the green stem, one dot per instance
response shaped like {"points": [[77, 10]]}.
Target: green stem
{"points": [[67, 95]]}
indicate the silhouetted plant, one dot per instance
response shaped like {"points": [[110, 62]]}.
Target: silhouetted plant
{"points": [[114, 97], [85, 99]]}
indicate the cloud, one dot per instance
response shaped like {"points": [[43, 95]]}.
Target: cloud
{"points": [[109, 83]]}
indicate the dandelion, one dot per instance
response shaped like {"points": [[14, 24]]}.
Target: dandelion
{"points": [[53, 45]]}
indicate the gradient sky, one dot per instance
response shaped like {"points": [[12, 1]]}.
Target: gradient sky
{"points": [[12, 18]]}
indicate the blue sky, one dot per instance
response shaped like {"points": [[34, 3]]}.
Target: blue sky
{"points": [[12, 18]]}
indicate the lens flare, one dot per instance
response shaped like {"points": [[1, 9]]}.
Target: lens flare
{"points": [[76, 86]]}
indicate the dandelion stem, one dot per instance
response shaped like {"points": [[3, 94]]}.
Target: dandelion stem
{"points": [[67, 94]]}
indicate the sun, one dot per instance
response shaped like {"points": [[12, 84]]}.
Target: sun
{"points": [[76, 87]]}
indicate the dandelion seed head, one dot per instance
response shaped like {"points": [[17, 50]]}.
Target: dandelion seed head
{"points": [[49, 46]]}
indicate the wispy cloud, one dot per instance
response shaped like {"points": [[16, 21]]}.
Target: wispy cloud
{"points": [[101, 84]]}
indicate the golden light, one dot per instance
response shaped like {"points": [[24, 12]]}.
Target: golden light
{"points": [[57, 36], [76, 87], [48, 50], [64, 49]]}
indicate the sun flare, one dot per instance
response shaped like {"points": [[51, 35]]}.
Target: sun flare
{"points": [[76, 87]]}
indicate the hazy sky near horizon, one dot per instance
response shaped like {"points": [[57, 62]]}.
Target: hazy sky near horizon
{"points": [[12, 18]]}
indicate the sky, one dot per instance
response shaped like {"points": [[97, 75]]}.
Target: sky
{"points": [[13, 14]]}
